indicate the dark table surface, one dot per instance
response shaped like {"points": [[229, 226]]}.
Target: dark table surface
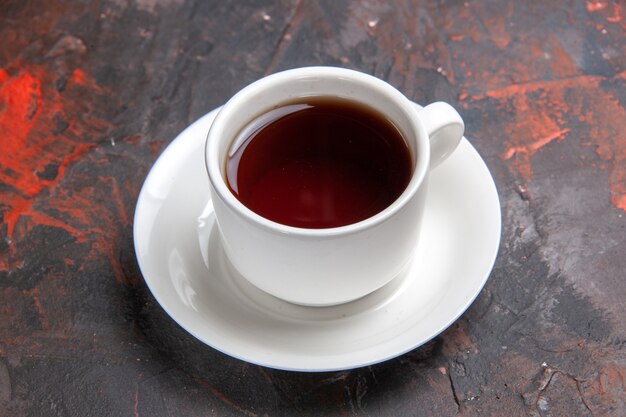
{"points": [[92, 91]]}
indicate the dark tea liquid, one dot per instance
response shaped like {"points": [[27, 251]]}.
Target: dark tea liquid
{"points": [[319, 163]]}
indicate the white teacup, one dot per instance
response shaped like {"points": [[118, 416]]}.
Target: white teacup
{"points": [[320, 267]]}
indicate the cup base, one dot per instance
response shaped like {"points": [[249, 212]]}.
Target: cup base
{"points": [[368, 301]]}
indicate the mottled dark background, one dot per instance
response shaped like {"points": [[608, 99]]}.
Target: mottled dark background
{"points": [[92, 91]]}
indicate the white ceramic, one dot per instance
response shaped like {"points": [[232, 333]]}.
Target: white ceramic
{"points": [[326, 266], [183, 264]]}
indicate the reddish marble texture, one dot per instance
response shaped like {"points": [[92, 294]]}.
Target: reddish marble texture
{"points": [[91, 92]]}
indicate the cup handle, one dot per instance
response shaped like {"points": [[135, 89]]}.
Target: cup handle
{"points": [[445, 129]]}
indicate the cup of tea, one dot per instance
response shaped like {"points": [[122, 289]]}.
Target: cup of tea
{"points": [[318, 179]]}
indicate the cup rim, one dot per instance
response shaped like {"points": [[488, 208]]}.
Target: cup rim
{"points": [[214, 165]]}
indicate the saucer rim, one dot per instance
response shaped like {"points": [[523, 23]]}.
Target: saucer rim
{"points": [[302, 367]]}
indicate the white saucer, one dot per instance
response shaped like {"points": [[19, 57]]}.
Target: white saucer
{"points": [[182, 262]]}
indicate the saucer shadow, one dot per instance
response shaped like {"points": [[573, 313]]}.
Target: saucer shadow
{"points": [[183, 367]]}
